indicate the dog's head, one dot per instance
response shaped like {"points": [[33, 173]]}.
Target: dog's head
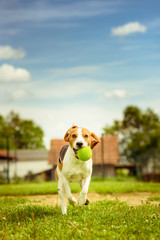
{"points": [[81, 137]]}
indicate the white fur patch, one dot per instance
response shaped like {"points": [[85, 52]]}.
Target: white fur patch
{"points": [[79, 139]]}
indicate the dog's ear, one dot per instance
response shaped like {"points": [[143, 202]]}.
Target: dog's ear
{"points": [[66, 136], [94, 140]]}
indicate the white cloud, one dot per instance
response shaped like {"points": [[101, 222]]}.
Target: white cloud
{"points": [[116, 94], [88, 70], [14, 93], [80, 70], [67, 10], [10, 74], [129, 28], [19, 94], [7, 52], [66, 89]]}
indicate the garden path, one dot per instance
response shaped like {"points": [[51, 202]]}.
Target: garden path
{"points": [[132, 199]]}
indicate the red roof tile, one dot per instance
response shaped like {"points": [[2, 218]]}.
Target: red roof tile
{"points": [[3, 155]]}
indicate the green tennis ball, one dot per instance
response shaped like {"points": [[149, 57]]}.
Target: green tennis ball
{"points": [[84, 153]]}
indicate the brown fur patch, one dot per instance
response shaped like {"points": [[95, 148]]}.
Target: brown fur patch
{"points": [[56, 174], [71, 135], [86, 134], [94, 140], [60, 166]]}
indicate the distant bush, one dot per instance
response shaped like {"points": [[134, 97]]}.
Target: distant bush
{"points": [[2, 181], [123, 172]]}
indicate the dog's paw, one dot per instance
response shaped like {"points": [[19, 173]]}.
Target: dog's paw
{"points": [[64, 208], [82, 199], [87, 202], [72, 201]]}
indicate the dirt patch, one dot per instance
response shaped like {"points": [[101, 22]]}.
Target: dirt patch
{"points": [[132, 199]]}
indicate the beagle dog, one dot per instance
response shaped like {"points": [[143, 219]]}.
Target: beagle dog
{"points": [[70, 168]]}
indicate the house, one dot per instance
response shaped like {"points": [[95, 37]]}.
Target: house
{"points": [[45, 175], [5, 159], [149, 165], [26, 162], [105, 155], [5, 156]]}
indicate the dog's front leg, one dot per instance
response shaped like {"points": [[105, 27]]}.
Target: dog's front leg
{"points": [[61, 192], [83, 194], [67, 188]]}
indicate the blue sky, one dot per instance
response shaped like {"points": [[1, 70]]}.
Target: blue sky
{"points": [[65, 62]]}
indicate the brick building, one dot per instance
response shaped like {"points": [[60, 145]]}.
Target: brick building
{"points": [[105, 155]]}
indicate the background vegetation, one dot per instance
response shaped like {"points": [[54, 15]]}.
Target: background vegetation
{"points": [[139, 134], [22, 133], [107, 186]]}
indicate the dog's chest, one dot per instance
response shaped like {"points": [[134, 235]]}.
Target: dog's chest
{"points": [[75, 174], [76, 170]]}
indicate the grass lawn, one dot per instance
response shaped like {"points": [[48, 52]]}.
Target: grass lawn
{"points": [[101, 220], [154, 198], [107, 186], [20, 219]]}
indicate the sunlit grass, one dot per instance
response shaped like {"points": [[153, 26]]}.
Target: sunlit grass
{"points": [[100, 220], [107, 186], [154, 198]]}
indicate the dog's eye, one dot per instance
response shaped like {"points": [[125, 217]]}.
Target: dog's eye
{"points": [[74, 136], [86, 136]]}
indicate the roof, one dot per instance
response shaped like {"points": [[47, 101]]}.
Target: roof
{"points": [[31, 154], [3, 155]]}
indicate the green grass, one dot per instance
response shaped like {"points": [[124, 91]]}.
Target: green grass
{"points": [[100, 220], [19, 219], [107, 186], [154, 198]]}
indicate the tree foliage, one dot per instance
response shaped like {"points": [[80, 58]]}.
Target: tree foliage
{"points": [[23, 134], [139, 131]]}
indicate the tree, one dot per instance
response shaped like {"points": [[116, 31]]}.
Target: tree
{"points": [[23, 134], [139, 132], [2, 132]]}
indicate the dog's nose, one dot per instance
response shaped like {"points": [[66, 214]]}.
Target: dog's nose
{"points": [[79, 144]]}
